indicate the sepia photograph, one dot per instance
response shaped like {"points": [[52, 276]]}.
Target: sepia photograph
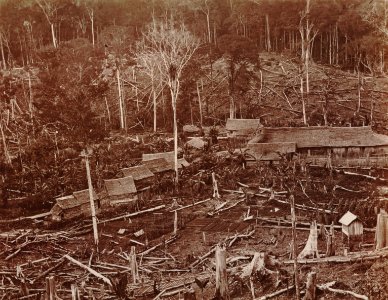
{"points": [[193, 149]]}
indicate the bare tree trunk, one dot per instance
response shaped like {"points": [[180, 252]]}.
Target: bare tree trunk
{"points": [[359, 90], [53, 35], [303, 101], [30, 103], [5, 148], [121, 108], [91, 15], [2, 51], [330, 48], [174, 98], [154, 106], [268, 33], [336, 43], [107, 109], [232, 108], [294, 247], [200, 105], [92, 208]]}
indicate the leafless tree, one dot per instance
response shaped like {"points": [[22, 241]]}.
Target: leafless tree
{"points": [[170, 46]]}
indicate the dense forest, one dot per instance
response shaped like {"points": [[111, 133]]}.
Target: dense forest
{"points": [[74, 72]]}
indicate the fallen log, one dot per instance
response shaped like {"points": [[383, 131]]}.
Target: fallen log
{"points": [[277, 293], [342, 259], [304, 207], [342, 292], [286, 222], [191, 205], [145, 252], [225, 208], [90, 270], [131, 214], [361, 175]]}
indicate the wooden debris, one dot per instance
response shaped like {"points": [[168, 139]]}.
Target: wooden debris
{"points": [[138, 233]]}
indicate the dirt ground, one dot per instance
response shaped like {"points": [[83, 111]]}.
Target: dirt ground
{"points": [[43, 245]]}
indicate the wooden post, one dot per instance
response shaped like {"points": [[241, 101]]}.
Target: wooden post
{"points": [[216, 194], [222, 291], [311, 286], [86, 155], [51, 292], [134, 268], [175, 222]]}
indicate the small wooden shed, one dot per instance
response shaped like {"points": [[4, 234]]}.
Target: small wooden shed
{"points": [[159, 166], [74, 205], [121, 190], [168, 156], [242, 127], [141, 174], [143, 178], [351, 225]]}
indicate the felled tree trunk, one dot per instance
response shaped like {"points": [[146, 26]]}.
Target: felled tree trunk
{"points": [[311, 248]]}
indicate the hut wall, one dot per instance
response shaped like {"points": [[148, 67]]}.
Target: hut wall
{"points": [[356, 228], [122, 198]]}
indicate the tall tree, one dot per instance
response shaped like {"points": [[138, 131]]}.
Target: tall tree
{"points": [[49, 9], [241, 55], [171, 46]]}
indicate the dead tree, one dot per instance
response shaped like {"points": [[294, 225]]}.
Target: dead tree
{"points": [[172, 47]]}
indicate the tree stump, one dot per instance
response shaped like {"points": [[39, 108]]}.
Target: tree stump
{"points": [[51, 291], [311, 286], [382, 230], [222, 291]]}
